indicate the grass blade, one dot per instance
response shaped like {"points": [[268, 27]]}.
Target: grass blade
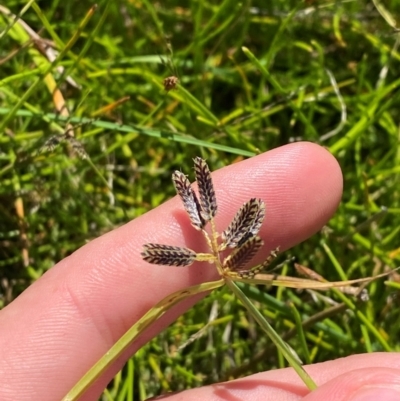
{"points": [[52, 65], [133, 333], [273, 335], [295, 282]]}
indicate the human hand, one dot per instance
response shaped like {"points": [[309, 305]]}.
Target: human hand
{"points": [[54, 332]]}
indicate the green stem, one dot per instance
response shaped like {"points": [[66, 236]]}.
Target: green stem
{"points": [[286, 350], [300, 331], [133, 333]]}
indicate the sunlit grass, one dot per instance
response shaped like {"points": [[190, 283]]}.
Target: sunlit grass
{"points": [[252, 76]]}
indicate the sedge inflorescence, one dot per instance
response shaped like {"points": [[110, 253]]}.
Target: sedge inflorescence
{"points": [[241, 236]]}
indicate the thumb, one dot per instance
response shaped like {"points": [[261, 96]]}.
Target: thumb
{"points": [[364, 384]]}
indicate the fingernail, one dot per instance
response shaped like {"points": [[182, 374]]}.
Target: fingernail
{"points": [[376, 394]]}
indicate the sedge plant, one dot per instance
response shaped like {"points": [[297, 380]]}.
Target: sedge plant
{"points": [[230, 252]]}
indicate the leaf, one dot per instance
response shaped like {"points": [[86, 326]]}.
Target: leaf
{"points": [[124, 342], [246, 224], [168, 255], [189, 199], [296, 282], [238, 259], [358, 292], [208, 200]]}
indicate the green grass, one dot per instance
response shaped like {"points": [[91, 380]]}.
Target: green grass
{"points": [[254, 76]]}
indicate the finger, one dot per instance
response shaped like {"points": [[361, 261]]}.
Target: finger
{"points": [[376, 376], [71, 316], [363, 384]]}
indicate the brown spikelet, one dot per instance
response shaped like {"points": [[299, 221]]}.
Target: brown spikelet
{"points": [[241, 236], [189, 199], [272, 256], [170, 83], [238, 259], [257, 269], [78, 147], [54, 141], [51, 144], [168, 255], [208, 200], [246, 224]]}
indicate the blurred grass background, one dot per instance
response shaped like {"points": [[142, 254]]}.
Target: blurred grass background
{"points": [[89, 139]]}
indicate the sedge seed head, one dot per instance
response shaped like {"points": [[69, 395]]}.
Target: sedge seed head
{"points": [[241, 235]]}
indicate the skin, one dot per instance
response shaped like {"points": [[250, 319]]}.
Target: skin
{"points": [[64, 322]]}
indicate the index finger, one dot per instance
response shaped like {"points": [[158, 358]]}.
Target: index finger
{"points": [[69, 318]]}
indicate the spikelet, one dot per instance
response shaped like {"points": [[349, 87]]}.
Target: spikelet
{"points": [[241, 236], [239, 258], [245, 225], [208, 200], [189, 199], [168, 255]]}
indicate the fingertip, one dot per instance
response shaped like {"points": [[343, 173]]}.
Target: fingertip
{"points": [[301, 184], [364, 384]]}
